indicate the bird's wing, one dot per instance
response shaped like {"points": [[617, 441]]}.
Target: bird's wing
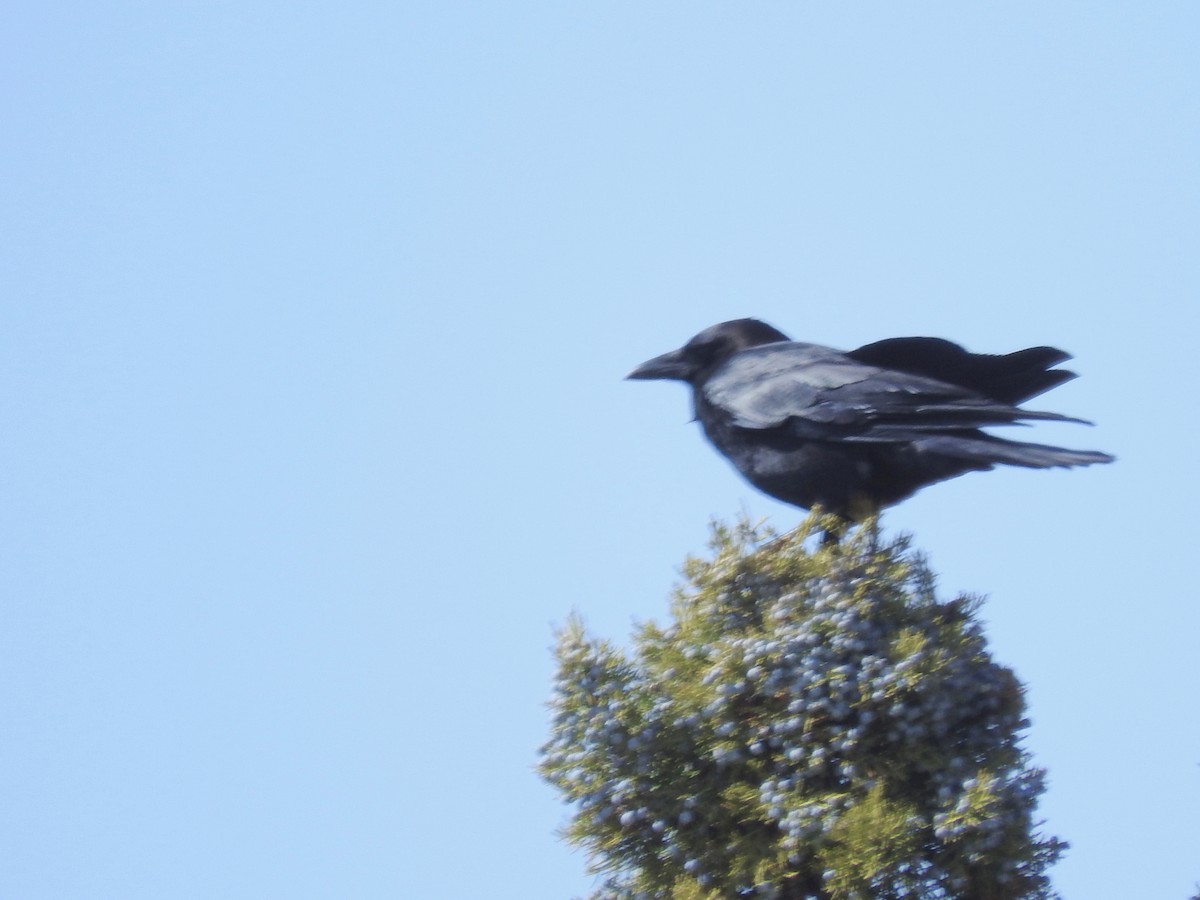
{"points": [[813, 391], [1010, 378]]}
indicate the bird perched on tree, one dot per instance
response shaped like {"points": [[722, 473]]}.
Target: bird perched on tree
{"points": [[856, 431]]}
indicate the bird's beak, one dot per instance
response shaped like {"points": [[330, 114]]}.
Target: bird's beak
{"points": [[670, 365]]}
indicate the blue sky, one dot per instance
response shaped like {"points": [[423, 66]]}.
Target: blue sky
{"points": [[313, 330]]}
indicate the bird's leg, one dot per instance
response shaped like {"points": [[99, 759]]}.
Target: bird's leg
{"points": [[834, 533], [861, 511]]}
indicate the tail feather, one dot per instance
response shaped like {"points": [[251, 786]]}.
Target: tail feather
{"points": [[994, 450]]}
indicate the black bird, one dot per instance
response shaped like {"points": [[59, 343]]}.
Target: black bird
{"points": [[856, 431]]}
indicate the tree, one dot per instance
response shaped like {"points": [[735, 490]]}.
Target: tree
{"points": [[812, 723]]}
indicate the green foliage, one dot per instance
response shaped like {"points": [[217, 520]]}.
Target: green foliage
{"points": [[812, 723]]}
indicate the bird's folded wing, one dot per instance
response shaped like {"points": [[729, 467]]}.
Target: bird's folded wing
{"points": [[807, 388], [1008, 378]]}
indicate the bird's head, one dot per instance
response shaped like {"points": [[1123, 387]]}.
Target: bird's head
{"points": [[699, 357]]}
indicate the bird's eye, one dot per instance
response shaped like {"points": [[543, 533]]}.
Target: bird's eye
{"points": [[706, 349]]}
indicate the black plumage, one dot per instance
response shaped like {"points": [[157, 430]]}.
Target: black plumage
{"points": [[856, 431]]}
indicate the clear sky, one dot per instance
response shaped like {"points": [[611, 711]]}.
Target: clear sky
{"points": [[313, 324]]}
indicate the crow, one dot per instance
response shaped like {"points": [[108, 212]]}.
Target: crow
{"points": [[853, 432]]}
